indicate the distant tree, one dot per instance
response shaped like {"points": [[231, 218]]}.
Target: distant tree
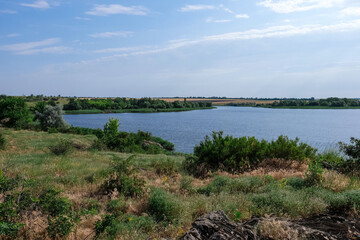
{"points": [[51, 117]]}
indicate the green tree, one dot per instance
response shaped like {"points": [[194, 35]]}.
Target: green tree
{"points": [[14, 112], [51, 117]]}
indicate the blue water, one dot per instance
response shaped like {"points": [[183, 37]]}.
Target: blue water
{"points": [[320, 128]]}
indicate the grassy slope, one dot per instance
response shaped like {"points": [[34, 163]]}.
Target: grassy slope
{"points": [[250, 194]]}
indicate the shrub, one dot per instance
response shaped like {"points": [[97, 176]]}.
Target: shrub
{"points": [[352, 150], [117, 206], [51, 203], [186, 184], [124, 179], [244, 153], [296, 183], [2, 141], [63, 147], [51, 117], [59, 227], [313, 175], [163, 207], [14, 112], [164, 167]]}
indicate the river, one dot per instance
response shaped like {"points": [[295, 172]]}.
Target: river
{"points": [[321, 128]]}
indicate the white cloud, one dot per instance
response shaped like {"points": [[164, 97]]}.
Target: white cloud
{"points": [[270, 32], [105, 10], [111, 34], [56, 49], [7, 11], [35, 47], [351, 11], [189, 8], [289, 6], [82, 18], [11, 35], [242, 16], [114, 50], [210, 20], [42, 4]]}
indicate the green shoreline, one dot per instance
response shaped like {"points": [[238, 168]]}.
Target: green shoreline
{"points": [[141, 110], [298, 107]]}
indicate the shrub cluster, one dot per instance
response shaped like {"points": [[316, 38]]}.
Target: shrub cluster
{"points": [[141, 142], [240, 154], [162, 206], [123, 178], [63, 147]]}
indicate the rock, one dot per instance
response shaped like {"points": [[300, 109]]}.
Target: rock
{"points": [[147, 143], [217, 226]]}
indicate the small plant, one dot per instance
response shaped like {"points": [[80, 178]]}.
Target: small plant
{"points": [[186, 184], [164, 167], [59, 227], [63, 147], [51, 203], [163, 207], [124, 179], [117, 206], [313, 175]]}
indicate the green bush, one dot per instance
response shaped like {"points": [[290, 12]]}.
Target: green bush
{"points": [[162, 206], [51, 203], [14, 112], [241, 154], [123, 178], [117, 206], [63, 147], [164, 167], [59, 227], [313, 175], [296, 183]]}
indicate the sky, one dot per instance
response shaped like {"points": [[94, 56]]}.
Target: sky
{"points": [[160, 48]]}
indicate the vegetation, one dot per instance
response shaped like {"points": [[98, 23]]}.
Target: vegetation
{"points": [[80, 183], [307, 103], [132, 103], [51, 117], [243, 154], [14, 112]]}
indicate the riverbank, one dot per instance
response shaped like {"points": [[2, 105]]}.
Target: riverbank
{"points": [[161, 199], [290, 107], [141, 110]]}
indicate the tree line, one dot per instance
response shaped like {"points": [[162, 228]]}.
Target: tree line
{"points": [[132, 103]]}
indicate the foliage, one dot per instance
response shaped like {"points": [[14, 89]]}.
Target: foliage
{"points": [[14, 112], [133, 103], [352, 150], [51, 203], [328, 102], [240, 154], [63, 147], [51, 117], [2, 141], [141, 142], [313, 175], [163, 207], [123, 178], [164, 167]]}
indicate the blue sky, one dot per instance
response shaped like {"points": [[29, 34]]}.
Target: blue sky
{"points": [[234, 48]]}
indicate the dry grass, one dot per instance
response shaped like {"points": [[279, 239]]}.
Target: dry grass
{"points": [[279, 169], [277, 230], [335, 181]]}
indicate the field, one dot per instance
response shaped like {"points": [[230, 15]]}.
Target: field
{"points": [[275, 188], [219, 102]]}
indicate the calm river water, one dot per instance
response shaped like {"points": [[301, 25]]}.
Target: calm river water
{"points": [[320, 128]]}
